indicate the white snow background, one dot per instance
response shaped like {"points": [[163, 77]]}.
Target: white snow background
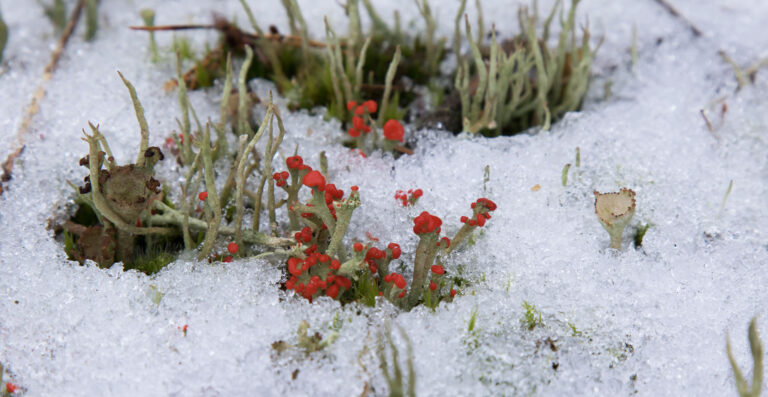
{"points": [[652, 321]]}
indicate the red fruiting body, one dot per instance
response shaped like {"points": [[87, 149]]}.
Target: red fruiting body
{"points": [[343, 282], [354, 188], [487, 204], [395, 250], [426, 223], [280, 178], [393, 130], [371, 106], [294, 162], [202, 196], [372, 266], [335, 264], [417, 193], [360, 110], [354, 132], [401, 295], [358, 247], [351, 105], [11, 387], [453, 293], [227, 259], [399, 281], [358, 122], [232, 248], [332, 291], [294, 266], [304, 236], [464, 219], [375, 253], [332, 193], [447, 242], [432, 285], [314, 179], [437, 269]]}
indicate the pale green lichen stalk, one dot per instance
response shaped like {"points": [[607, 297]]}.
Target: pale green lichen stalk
{"points": [[523, 82], [398, 385], [614, 211], [756, 348]]}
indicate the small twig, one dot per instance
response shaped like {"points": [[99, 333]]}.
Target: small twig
{"points": [[706, 120], [34, 104], [250, 38], [673, 11], [403, 149]]}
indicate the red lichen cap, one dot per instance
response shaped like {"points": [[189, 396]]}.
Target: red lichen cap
{"points": [[399, 281], [490, 205], [426, 223], [294, 162], [314, 179], [437, 269], [375, 253], [393, 130], [396, 251], [371, 106], [232, 248], [358, 122]]}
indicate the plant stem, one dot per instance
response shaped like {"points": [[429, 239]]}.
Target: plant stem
{"points": [[213, 196], [139, 110], [425, 254], [241, 176]]}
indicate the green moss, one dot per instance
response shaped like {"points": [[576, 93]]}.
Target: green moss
{"points": [[56, 13], [151, 262], [181, 45], [640, 233], [365, 289], [531, 317]]}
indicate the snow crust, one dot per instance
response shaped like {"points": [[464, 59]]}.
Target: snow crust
{"points": [[650, 321]]}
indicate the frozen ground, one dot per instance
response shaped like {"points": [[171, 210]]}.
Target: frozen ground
{"points": [[652, 321]]}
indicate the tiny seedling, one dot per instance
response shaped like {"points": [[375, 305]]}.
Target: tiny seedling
{"points": [[531, 317], [614, 211], [315, 342], [640, 233], [757, 357], [398, 385], [574, 331], [472, 321]]}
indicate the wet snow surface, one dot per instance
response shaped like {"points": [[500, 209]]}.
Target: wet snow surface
{"points": [[650, 321]]}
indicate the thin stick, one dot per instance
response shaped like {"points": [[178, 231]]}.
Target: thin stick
{"points": [[706, 119], [34, 104], [295, 41], [677, 14]]}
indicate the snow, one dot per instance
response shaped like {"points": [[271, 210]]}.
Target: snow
{"points": [[652, 320]]}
